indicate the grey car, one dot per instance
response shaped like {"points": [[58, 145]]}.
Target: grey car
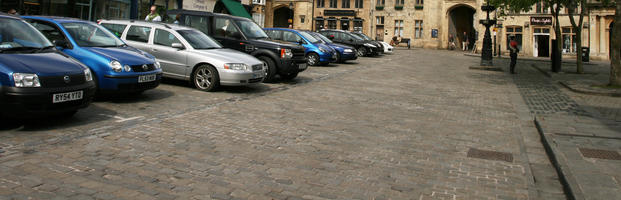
{"points": [[188, 54]]}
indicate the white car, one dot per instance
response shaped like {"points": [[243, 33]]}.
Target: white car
{"points": [[387, 47]]}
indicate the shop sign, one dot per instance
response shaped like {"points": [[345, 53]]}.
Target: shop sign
{"points": [[199, 5], [541, 21], [339, 13]]}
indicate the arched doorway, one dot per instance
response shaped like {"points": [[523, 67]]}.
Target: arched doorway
{"points": [[461, 18], [282, 16]]}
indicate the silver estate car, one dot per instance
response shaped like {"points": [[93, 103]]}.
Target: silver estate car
{"points": [[188, 54]]}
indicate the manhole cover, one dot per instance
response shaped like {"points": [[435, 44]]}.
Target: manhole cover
{"points": [[599, 153], [490, 155]]}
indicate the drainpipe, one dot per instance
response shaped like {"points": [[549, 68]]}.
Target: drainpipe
{"points": [[133, 9], [312, 19]]}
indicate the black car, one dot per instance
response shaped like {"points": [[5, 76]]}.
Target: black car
{"points": [[364, 47], [243, 34], [363, 36]]}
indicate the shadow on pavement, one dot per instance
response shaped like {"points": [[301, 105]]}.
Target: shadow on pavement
{"points": [[89, 115]]}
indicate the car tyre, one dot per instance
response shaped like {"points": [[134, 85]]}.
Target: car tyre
{"points": [[270, 72], [338, 58], [312, 59], [289, 76], [205, 78], [361, 51]]}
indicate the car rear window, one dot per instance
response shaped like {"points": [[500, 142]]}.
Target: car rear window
{"points": [[117, 29], [138, 33]]}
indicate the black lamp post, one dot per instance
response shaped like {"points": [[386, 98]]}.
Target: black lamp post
{"points": [[486, 55]]}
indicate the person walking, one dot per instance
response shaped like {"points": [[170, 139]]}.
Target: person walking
{"points": [[451, 42], [153, 16], [513, 48]]}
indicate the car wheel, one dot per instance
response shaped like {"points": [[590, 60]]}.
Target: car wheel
{"points": [[312, 59], [270, 72], [338, 58], [205, 78], [289, 76], [361, 51]]}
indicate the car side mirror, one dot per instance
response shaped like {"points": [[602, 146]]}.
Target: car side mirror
{"points": [[177, 45], [236, 35], [301, 42], [331, 37], [60, 43], [351, 40]]}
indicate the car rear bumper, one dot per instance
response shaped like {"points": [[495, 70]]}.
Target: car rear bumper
{"points": [[34, 102]]}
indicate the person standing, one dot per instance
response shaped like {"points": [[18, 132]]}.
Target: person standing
{"points": [[513, 48], [464, 42], [153, 15]]}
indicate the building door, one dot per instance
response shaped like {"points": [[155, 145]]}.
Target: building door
{"points": [[461, 25], [379, 33], [345, 24], [282, 16], [541, 42]]}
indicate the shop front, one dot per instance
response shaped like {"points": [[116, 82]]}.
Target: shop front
{"points": [[83, 9], [541, 35]]}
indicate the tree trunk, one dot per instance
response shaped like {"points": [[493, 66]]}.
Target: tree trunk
{"points": [[615, 60], [557, 33], [578, 30]]}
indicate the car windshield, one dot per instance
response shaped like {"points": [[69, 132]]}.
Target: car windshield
{"points": [[356, 37], [251, 29], [362, 35], [199, 40], [92, 35], [309, 37], [321, 37], [16, 34]]}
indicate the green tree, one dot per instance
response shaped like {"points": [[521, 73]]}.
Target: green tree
{"points": [[572, 6]]}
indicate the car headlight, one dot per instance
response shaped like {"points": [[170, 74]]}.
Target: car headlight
{"points": [[286, 53], [157, 64], [116, 66], [26, 80], [88, 76], [237, 66], [348, 50], [368, 45]]}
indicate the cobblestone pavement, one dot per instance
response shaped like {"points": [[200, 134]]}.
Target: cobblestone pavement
{"points": [[394, 127]]}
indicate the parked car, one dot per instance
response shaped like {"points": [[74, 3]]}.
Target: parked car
{"points": [[344, 52], [35, 78], [375, 42], [188, 54], [363, 47], [242, 34], [387, 48], [316, 52], [117, 67]]}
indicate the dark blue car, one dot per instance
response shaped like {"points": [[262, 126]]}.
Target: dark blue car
{"points": [[344, 52], [316, 52], [35, 78], [116, 66]]}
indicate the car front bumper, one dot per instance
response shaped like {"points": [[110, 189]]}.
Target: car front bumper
{"points": [[235, 78], [128, 83], [34, 102]]}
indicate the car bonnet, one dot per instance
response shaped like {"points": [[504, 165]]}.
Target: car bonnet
{"points": [[228, 56], [126, 55], [43, 64]]}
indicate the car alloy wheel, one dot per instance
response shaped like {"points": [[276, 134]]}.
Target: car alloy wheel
{"points": [[312, 59], [205, 78], [361, 51]]}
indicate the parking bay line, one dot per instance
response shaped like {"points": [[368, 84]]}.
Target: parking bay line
{"points": [[121, 119]]}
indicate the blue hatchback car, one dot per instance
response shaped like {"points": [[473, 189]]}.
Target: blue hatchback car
{"points": [[117, 67], [316, 52], [344, 52], [35, 78]]}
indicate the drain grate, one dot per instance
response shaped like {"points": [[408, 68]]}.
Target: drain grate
{"points": [[599, 153], [490, 155]]}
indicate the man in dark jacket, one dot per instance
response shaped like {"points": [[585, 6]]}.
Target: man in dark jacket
{"points": [[513, 48]]}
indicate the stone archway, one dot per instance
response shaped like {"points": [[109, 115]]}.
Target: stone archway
{"points": [[282, 15], [460, 20]]}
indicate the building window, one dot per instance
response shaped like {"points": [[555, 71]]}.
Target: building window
{"points": [[541, 8], [418, 29], [331, 24], [379, 20], [321, 3], [358, 3], [319, 24], [358, 25], [398, 27], [380, 2], [333, 3], [514, 33], [345, 3], [345, 24], [419, 2], [399, 2], [569, 40]]}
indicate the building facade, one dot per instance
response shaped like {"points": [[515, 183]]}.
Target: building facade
{"points": [[351, 15]]}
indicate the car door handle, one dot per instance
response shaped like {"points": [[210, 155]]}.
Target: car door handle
{"points": [[154, 50]]}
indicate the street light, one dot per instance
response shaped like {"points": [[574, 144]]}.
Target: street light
{"points": [[486, 52]]}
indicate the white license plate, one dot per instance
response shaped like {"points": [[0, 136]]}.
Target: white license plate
{"points": [[302, 66], [67, 96], [146, 78], [257, 74]]}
